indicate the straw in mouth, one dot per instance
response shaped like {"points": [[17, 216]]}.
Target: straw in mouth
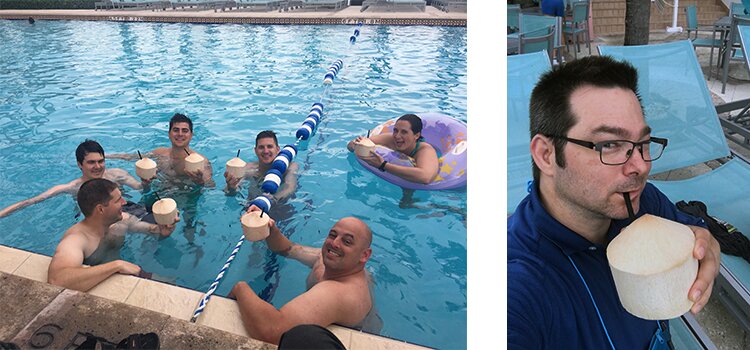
{"points": [[628, 204]]}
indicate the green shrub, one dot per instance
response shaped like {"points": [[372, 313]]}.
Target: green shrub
{"points": [[46, 4]]}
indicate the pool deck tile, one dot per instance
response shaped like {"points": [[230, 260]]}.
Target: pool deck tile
{"points": [[182, 334], [35, 268], [222, 313], [11, 258], [117, 287], [160, 297], [26, 298], [360, 340], [344, 335]]}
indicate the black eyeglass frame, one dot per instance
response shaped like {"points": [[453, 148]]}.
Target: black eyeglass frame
{"points": [[599, 145]]}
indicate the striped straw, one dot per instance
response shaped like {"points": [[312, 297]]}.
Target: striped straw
{"points": [[215, 285]]}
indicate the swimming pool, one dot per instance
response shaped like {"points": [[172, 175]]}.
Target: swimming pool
{"points": [[118, 83]]}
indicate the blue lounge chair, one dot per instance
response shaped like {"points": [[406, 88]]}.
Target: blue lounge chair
{"points": [[678, 106], [523, 73]]}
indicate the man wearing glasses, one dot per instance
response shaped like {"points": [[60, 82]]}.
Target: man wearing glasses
{"points": [[590, 147]]}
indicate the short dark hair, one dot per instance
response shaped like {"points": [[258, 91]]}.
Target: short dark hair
{"points": [[180, 118], [94, 192], [86, 147], [414, 121], [550, 111], [266, 134]]}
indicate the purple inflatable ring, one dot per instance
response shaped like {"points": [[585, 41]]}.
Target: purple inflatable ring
{"points": [[447, 135]]}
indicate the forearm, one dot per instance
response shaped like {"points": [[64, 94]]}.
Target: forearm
{"points": [[278, 243], [83, 278], [412, 174], [10, 209], [123, 156], [261, 319]]}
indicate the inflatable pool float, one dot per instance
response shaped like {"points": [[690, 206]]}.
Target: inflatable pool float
{"points": [[446, 134]]}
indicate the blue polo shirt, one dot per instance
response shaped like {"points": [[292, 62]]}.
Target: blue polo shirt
{"points": [[548, 305]]}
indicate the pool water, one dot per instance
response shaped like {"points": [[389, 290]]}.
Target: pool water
{"points": [[118, 83]]}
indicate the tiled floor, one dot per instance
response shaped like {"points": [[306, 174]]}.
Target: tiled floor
{"points": [[171, 301]]}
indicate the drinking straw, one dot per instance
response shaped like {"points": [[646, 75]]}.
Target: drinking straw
{"points": [[238, 153], [186, 151], [139, 154], [157, 195], [629, 205], [215, 284], [262, 212], [368, 133]]}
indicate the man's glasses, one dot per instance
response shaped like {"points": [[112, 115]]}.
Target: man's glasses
{"points": [[617, 152]]}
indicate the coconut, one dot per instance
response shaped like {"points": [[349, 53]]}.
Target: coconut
{"points": [[254, 226], [194, 162], [236, 167], [363, 147], [653, 267], [145, 168], [165, 211]]}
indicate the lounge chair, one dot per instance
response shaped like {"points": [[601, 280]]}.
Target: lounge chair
{"points": [[523, 73], [313, 4], [532, 23], [678, 106], [394, 5], [263, 5]]}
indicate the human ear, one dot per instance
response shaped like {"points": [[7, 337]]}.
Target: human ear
{"points": [[543, 154]]}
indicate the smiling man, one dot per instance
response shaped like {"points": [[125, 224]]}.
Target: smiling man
{"points": [[590, 147], [266, 149], [91, 161], [171, 160], [337, 287]]}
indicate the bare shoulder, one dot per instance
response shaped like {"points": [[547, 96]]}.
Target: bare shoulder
{"points": [[163, 151]]}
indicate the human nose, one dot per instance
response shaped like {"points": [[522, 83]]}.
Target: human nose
{"points": [[636, 163]]}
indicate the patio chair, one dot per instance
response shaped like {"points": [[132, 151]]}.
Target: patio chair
{"points": [[530, 23], [514, 17], [737, 8], [691, 17], [733, 48], [577, 26], [678, 106], [538, 40], [262, 5], [523, 73]]}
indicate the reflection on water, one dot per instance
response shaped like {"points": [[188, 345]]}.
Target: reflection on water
{"points": [[234, 81]]}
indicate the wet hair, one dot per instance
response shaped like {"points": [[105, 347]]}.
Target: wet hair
{"points": [[86, 147], [94, 192], [414, 121], [180, 118], [550, 110], [265, 134]]}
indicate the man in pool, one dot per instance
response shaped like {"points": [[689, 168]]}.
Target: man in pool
{"points": [[338, 288], [590, 147], [96, 240], [91, 161], [266, 149], [407, 139], [171, 160]]}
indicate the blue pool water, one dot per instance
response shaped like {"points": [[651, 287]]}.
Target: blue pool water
{"points": [[118, 83]]}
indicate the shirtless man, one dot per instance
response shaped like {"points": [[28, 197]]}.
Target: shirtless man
{"points": [[338, 286], [171, 160], [100, 234], [266, 149], [90, 158]]}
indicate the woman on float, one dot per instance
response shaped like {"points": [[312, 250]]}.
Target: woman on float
{"points": [[407, 139]]}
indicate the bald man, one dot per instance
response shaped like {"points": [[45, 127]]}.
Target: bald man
{"points": [[338, 288]]}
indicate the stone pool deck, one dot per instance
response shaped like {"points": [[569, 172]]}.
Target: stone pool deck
{"points": [[38, 315], [347, 15]]}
